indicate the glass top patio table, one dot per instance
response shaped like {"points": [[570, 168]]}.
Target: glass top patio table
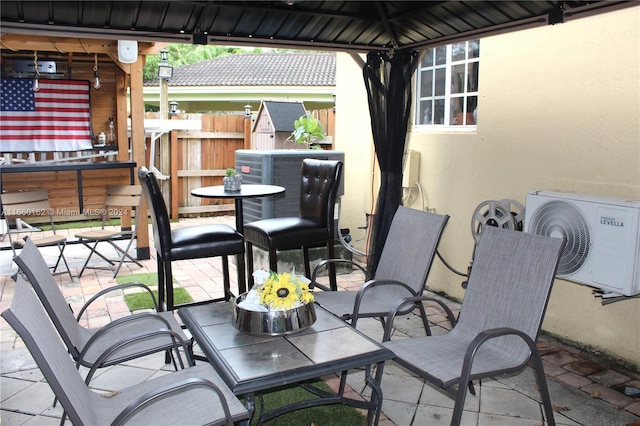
{"points": [[250, 364]]}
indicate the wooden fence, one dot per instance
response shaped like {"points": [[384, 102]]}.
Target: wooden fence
{"points": [[200, 158]]}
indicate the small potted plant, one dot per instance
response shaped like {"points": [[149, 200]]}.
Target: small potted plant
{"points": [[307, 130], [232, 181]]}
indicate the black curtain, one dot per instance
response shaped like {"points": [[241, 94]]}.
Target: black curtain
{"points": [[387, 78]]}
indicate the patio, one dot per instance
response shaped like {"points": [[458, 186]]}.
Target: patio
{"points": [[584, 390]]}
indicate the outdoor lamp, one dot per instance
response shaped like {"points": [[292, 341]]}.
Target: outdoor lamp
{"points": [[173, 108], [164, 69], [247, 110]]}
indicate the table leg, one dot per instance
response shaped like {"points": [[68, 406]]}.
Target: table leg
{"points": [[240, 261]]}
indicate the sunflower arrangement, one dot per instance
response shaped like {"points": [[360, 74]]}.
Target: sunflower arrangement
{"points": [[284, 291]]}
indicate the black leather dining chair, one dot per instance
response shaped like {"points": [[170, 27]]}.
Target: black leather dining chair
{"points": [[192, 242], [314, 225]]}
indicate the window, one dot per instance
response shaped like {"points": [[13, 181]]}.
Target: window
{"points": [[453, 104]]}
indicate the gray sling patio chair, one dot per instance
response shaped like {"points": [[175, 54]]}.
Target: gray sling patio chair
{"points": [[404, 265], [500, 318], [192, 396], [126, 338]]}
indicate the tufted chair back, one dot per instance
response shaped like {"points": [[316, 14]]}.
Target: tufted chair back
{"points": [[318, 191], [159, 214]]}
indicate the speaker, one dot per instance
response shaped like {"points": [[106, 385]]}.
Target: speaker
{"points": [[127, 51]]}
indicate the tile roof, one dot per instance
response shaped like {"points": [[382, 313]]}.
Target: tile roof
{"points": [[283, 114], [258, 69]]}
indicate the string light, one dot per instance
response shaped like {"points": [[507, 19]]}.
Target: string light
{"points": [[36, 83], [96, 83]]}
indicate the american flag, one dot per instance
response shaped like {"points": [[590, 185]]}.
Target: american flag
{"points": [[55, 118]]}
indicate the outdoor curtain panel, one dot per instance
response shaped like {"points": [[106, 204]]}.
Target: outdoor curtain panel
{"points": [[388, 82], [55, 118]]}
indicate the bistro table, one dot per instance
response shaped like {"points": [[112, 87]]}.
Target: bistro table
{"points": [[247, 191], [251, 364]]}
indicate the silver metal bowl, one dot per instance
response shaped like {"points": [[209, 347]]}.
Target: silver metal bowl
{"points": [[272, 323]]}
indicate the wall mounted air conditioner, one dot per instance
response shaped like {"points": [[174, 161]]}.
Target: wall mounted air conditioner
{"points": [[603, 238]]}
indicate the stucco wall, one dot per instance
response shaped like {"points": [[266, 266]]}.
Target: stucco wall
{"points": [[559, 109]]}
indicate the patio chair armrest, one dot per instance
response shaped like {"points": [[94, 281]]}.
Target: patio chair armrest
{"points": [[372, 284], [483, 337], [486, 335], [168, 391], [174, 338], [409, 301], [114, 288], [163, 324], [327, 262]]}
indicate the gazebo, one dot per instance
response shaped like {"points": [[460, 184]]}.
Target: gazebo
{"points": [[391, 33]]}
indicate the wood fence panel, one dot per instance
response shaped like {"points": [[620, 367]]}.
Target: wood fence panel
{"points": [[203, 156]]}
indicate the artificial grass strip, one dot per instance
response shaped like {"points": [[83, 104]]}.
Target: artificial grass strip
{"points": [[148, 278], [142, 300], [334, 414]]}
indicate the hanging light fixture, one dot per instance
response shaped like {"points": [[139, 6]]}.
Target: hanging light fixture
{"points": [[96, 83], [36, 83]]}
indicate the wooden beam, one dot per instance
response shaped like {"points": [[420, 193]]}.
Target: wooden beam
{"points": [[18, 42], [210, 135], [138, 148], [214, 208], [200, 173]]}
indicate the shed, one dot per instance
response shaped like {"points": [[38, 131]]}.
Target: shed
{"points": [[274, 124]]}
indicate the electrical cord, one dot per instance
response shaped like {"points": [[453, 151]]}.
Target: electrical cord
{"points": [[449, 266]]}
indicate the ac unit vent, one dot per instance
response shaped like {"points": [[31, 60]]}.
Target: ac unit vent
{"points": [[602, 235], [563, 219]]}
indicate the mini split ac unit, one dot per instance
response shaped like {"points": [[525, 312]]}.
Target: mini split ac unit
{"points": [[602, 234]]}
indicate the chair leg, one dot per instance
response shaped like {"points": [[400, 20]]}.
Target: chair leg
{"points": [[273, 260], [332, 266], [168, 284], [225, 278], [425, 321], [543, 388], [64, 260], [125, 255], [242, 286], [161, 278], [306, 261], [249, 255]]}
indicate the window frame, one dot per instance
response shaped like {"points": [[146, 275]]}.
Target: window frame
{"points": [[443, 93]]}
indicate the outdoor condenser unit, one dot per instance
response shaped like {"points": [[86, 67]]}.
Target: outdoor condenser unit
{"points": [[603, 238], [277, 167]]}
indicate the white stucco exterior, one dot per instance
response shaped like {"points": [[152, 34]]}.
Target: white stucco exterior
{"points": [[559, 109]]}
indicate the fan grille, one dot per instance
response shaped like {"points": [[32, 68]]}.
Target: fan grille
{"points": [[563, 219]]}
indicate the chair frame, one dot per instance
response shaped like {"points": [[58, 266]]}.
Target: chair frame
{"points": [[16, 205], [152, 331], [199, 385], [545, 265], [326, 213], [405, 219], [164, 238], [121, 200]]}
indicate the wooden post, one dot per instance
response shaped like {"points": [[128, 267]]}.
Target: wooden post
{"points": [[164, 149], [247, 132], [137, 149], [174, 175], [121, 125]]}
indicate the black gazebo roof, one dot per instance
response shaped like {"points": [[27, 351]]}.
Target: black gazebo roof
{"points": [[326, 25]]}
